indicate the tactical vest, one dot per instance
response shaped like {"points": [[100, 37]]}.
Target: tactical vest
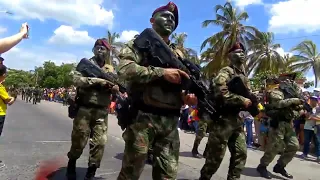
{"points": [[158, 97], [95, 96]]}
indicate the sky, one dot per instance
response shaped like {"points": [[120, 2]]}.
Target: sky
{"points": [[64, 31]]}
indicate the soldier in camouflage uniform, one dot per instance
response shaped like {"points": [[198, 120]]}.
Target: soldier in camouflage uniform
{"points": [[23, 93], [35, 95], [204, 124], [281, 136], [158, 108], [28, 94], [228, 130], [91, 121]]}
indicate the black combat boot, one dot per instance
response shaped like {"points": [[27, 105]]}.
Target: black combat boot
{"points": [[263, 172], [91, 172], [71, 170], [149, 158], [195, 152], [280, 169]]}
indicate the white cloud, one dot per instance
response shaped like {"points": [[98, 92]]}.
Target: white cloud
{"points": [[244, 3], [3, 29], [291, 16], [127, 35], [282, 52], [68, 35], [74, 12], [27, 59]]}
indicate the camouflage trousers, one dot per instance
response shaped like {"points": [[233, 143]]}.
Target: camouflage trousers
{"points": [[159, 131], [89, 123], [228, 132], [282, 139], [204, 123]]}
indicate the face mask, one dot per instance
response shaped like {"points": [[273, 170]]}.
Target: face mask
{"points": [[164, 23]]}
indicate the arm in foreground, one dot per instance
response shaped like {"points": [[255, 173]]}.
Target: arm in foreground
{"points": [[130, 70], [220, 82]]}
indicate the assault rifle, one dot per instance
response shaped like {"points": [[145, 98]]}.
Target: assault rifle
{"points": [[237, 86], [88, 69], [291, 91], [158, 54]]}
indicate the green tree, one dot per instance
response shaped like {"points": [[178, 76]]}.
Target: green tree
{"points": [[230, 20], [189, 53], [112, 40], [307, 57], [264, 55]]}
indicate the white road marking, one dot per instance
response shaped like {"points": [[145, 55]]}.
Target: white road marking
{"points": [[53, 141]]}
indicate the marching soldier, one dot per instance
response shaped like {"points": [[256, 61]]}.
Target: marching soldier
{"points": [[228, 130], [35, 95], [91, 120], [158, 107], [23, 93], [204, 124], [281, 134]]}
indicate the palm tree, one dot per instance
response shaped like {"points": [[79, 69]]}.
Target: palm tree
{"points": [[233, 30], [264, 55], [112, 40], [288, 62], [308, 57], [179, 40]]}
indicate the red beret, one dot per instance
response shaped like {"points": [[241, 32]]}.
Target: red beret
{"points": [[172, 8], [236, 46], [102, 42]]}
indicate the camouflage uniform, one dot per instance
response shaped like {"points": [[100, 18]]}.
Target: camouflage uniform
{"points": [[23, 93], [91, 121], [204, 124], [281, 136], [35, 95], [28, 94], [156, 122], [228, 129]]}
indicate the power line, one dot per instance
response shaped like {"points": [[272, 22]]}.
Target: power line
{"points": [[282, 39]]}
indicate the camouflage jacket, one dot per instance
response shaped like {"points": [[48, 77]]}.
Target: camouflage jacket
{"points": [[140, 79], [91, 90], [286, 109], [219, 85]]}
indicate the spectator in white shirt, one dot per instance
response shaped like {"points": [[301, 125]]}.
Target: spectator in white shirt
{"points": [[309, 128]]}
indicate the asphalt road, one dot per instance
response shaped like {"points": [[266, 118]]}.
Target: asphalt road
{"points": [[35, 133]]}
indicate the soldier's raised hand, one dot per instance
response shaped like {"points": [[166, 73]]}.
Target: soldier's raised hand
{"points": [[174, 75]]}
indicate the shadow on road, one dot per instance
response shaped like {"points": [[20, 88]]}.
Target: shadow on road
{"points": [[252, 172], [186, 154], [119, 156], [60, 174]]}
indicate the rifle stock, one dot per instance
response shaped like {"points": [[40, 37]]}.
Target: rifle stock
{"points": [[290, 91], [237, 86]]}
